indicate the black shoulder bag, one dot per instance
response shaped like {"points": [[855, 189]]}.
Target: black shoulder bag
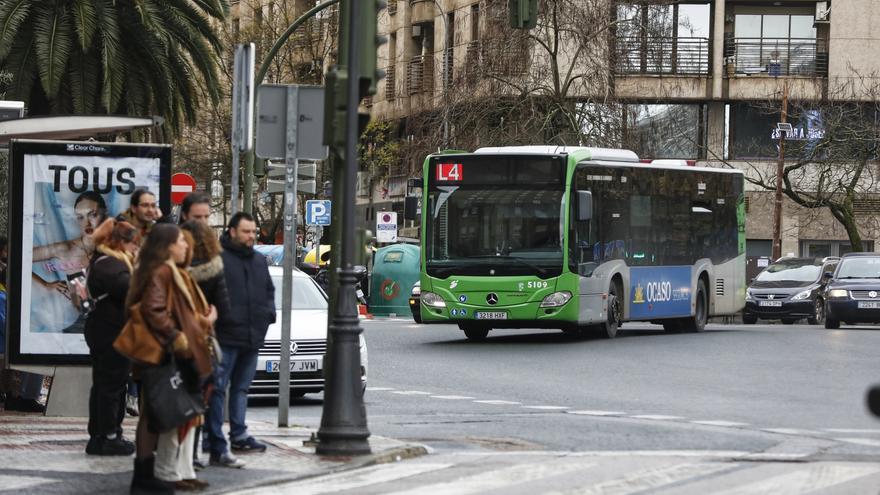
{"points": [[173, 396]]}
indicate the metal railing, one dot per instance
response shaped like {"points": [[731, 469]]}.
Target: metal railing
{"points": [[685, 56], [390, 83], [420, 74], [779, 57]]}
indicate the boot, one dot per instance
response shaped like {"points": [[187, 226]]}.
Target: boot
{"points": [[144, 482]]}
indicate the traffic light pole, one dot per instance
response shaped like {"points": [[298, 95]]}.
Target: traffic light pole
{"points": [[344, 419]]}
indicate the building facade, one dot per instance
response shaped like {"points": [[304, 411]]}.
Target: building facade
{"points": [[696, 80]]}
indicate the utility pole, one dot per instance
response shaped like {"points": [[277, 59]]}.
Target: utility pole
{"points": [[780, 169]]}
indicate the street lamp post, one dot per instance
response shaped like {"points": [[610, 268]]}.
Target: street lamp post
{"points": [[344, 418]]}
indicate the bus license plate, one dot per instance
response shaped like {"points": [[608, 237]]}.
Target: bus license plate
{"points": [[869, 304], [777, 304], [490, 315], [295, 366]]}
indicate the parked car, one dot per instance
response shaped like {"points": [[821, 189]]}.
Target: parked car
{"points": [[852, 292], [789, 289], [415, 303], [308, 342]]}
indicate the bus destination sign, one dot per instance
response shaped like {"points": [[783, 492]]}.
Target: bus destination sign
{"points": [[450, 172]]}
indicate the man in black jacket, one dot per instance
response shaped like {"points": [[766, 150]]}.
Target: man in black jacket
{"points": [[240, 333]]}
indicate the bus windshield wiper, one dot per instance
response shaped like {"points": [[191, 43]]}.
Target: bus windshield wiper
{"points": [[537, 268]]}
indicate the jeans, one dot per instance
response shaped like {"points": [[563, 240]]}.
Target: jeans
{"points": [[236, 370]]}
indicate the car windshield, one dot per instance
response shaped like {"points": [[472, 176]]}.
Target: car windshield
{"points": [[859, 268], [796, 272], [306, 295]]}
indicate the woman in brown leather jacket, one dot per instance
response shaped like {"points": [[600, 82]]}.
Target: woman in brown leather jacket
{"points": [[177, 314]]}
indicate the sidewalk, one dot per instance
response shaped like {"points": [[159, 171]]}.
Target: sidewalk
{"points": [[40, 455]]}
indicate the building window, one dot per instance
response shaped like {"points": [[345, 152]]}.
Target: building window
{"points": [[664, 131], [662, 39], [475, 22], [778, 45], [823, 248]]}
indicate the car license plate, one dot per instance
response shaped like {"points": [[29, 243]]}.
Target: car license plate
{"points": [[777, 304], [869, 304], [295, 366], [490, 315]]}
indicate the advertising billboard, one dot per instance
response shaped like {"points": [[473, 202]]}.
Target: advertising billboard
{"points": [[59, 193]]}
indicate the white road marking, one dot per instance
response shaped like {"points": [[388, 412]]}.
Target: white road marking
{"points": [[852, 430], [720, 423], [653, 478], [547, 408], [656, 417], [597, 413], [452, 397], [870, 442], [9, 482], [498, 402], [772, 457], [379, 389], [790, 431], [351, 479], [410, 392], [715, 454], [811, 479], [500, 478]]}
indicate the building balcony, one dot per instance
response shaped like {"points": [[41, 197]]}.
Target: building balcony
{"points": [[662, 56], [422, 11], [390, 83], [777, 57]]}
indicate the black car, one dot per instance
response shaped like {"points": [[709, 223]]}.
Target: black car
{"points": [[852, 292], [789, 289], [415, 303]]}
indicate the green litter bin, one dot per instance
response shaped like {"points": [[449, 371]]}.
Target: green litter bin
{"points": [[395, 271]]}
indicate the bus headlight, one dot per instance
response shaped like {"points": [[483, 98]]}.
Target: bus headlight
{"points": [[556, 299], [433, 300], [801, 295], [834, 293]]}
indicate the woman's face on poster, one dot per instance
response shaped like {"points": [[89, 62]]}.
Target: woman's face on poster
{"points": [[88, 216]]}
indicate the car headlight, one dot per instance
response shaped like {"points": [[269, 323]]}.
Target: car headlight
{"points": [[433, 300], [837, 293], [801, 295], [556, 299], [749, 294]]}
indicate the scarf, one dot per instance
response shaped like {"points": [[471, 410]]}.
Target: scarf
{"points": [[122, 256], [187, 289]]}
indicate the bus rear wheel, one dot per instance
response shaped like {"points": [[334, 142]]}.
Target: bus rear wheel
{"points": [[475, 334], [697, 323]]}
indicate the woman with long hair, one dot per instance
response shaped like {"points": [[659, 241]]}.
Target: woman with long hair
{"points": [[176, 313], [206, 269], [108, 278]]}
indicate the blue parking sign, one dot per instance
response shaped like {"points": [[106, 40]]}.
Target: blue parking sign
{"points": [[318, 212]]}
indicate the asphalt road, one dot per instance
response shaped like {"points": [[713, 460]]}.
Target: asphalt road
{"points": [[757, 392]]}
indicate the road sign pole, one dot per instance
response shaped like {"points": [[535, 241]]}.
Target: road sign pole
{"points": [[290, 178]]}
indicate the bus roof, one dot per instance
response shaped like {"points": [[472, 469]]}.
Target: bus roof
{"points": [[665, 166], [587, 153]]}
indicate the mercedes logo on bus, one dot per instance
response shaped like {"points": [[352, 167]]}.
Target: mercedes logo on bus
{"points": [[492, 298]]}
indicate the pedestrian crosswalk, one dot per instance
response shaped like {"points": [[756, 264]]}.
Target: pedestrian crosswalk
{"points": [[581, 473]]}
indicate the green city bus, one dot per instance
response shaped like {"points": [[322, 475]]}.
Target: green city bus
{"points": [[578, 239]]}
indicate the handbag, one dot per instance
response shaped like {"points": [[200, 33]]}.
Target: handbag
{"points": [[172, 395], [137, 342]]}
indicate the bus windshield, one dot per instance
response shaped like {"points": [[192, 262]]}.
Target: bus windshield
{"points": [[503, 218]]}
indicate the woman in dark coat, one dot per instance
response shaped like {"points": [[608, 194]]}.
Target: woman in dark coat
{"points": [[206, 269], [108, 277]]}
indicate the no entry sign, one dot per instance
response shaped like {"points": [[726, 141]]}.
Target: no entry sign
{"points": [[181, 185]]}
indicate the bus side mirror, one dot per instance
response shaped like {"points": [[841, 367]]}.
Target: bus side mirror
{"points": [[584, 206], [412, 207]]}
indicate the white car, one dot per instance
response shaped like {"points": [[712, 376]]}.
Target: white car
{"points": [[308, 342]]}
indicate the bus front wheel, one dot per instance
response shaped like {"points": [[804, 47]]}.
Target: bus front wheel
{"points": [[609, 329], [697, 323], [475, 334]]}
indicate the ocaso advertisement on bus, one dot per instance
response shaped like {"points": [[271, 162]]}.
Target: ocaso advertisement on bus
{"points": [[660, 291]]}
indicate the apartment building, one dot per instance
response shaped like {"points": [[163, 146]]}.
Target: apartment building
{"points": [[702, 81]]}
